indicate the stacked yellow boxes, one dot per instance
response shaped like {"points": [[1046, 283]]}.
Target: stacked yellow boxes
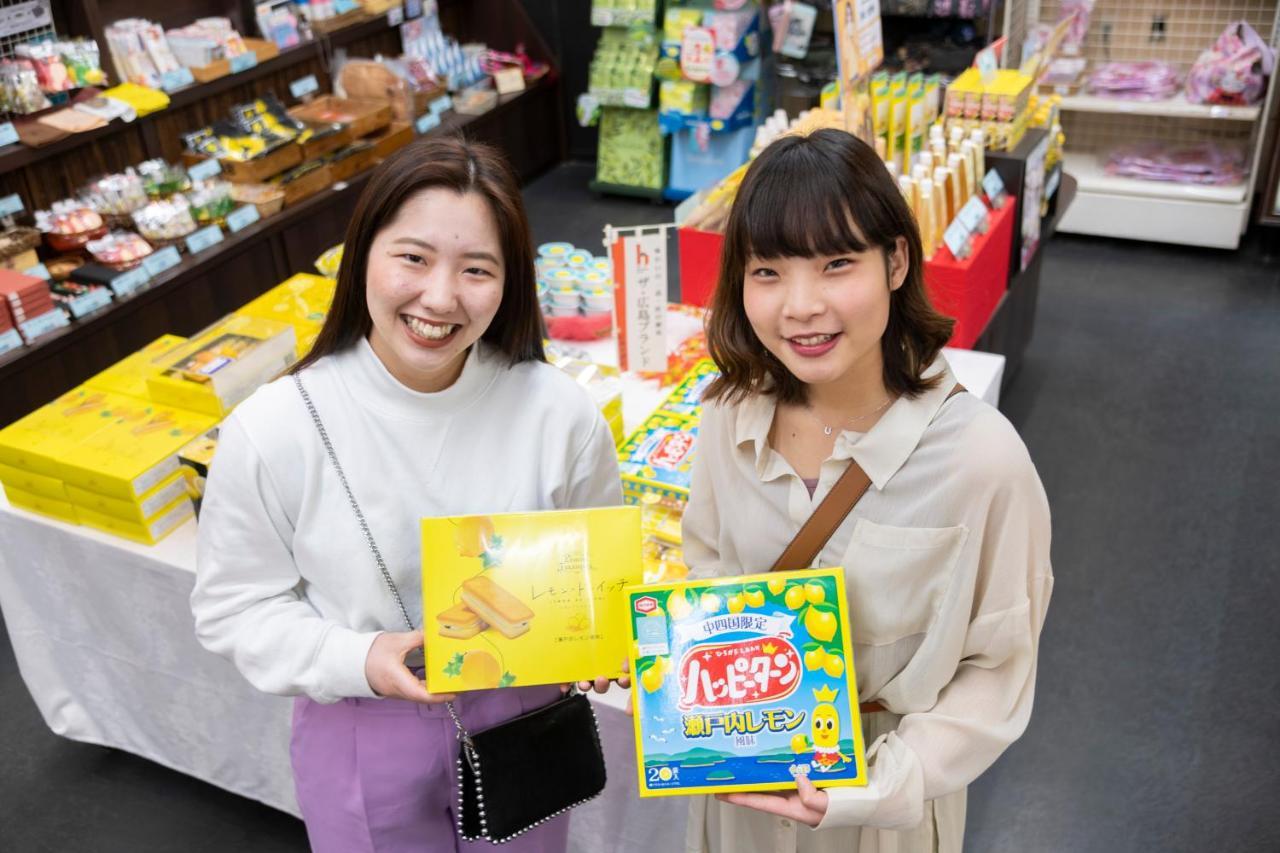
{"points": [[999, 107], [302, 301], [223, 364]]}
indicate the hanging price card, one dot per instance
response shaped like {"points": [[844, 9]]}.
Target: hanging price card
{"points": [[210, 235], [427, 121], [242, 217], [204, 170], [44, 324], [10, 340], [127, 282], [10, 204], [162, 260], [176, 79], [8, 135], [243, 62], [304, 86]]}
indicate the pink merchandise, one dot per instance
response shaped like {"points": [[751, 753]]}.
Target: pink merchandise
{"points": [[1234, 70], [1138, 81], [1206, 163]]}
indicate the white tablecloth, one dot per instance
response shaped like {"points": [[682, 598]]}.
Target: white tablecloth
{"points": [[103, 637]]}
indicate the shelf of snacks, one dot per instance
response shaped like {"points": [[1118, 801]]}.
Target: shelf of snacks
{"points": [[1176, 106]]}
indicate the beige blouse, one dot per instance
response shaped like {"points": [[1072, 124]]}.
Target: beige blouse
{"points": [[946, 562]]}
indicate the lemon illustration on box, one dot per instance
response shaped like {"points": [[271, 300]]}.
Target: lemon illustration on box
{"points": [[744, 683], [518, 599]]}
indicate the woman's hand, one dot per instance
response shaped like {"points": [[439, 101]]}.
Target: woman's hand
{"points": [[807, 805], [389, 677], [601, 684]]}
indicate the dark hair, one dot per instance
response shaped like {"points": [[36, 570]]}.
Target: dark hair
{"points": [[822, 194], [454, 163]]}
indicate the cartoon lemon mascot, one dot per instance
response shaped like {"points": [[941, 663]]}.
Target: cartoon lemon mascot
{"points": [[826, 733]]}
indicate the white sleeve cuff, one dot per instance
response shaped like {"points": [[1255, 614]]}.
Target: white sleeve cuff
{"points": [[892, 799], [340, 665]]}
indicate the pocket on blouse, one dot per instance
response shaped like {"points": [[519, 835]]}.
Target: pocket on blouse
{"points": [[896, 578]]}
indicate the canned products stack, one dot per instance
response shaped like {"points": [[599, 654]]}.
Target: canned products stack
{"points": [[575, 290]]}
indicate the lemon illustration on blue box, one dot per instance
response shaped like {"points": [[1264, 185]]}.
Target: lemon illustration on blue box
{"points": [[744, 683]]}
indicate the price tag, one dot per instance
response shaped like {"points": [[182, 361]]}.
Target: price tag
{"points": [[304, 86], [974, 215], [173, 80], [158, 262], [96, 298], [39, 271], [987, 64], [128, 282], [799, 31], [243, 62], [957, 239], [242, 217], [10, 204], [426, 122], [204, 170], [210, 235], [509, 80], [8, 135], [395, 16], [993, 185], [441, 104], [697, 51], [44, 324], [10, 340]]}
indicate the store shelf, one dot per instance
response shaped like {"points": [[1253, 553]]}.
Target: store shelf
{"points": [[1176, 107], [1157, 211], [18, 155]]}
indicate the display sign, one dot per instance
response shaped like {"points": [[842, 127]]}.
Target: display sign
{"points": [[993, 186], [8, 135], [162, 260], [10, 340], [987, 65], [799, 31], [304, 86], [642, 321], [210, 235], [242, 217], [176, 79], [974, 215], [39, 271], [427, 122], [859, 40], [205, 169], [10, 204], [96, 298], [697, 53], [957, 239], [127, 282], [48, 322], [18, 18], [243, 62]]}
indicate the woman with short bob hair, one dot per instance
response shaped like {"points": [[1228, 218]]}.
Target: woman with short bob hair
{"points": [[831, 358], [426, 394]]}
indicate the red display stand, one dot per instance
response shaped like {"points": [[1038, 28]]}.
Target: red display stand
{"points": [[967, 290], [970, 290]]}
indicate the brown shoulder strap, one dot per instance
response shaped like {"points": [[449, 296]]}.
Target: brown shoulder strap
{"points": [[830, 514]]}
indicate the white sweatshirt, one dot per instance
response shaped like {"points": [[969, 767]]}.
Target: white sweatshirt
{"points": [[286, 586]]}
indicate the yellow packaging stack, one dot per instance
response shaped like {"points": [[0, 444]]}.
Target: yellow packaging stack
{"points": [[129, 375], [302, 301]]}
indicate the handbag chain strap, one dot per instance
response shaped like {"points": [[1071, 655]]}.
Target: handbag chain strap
{"points": [[368, 536]]}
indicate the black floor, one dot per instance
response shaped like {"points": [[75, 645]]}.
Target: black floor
{"points": [[1150, 400]]}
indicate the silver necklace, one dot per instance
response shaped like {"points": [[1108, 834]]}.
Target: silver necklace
{"points": [[827, 430]]}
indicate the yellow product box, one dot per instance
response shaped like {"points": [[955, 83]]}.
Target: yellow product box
{"points": [[36, 442], [133, 452], [224, 364], [686, 397], [137, 511], [744, 684], [527, 598], [41, 505], [148, 533], [36, 484], [301, 300], [129, 375], [657, 459]]}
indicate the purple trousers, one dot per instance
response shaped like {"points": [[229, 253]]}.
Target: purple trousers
{"points": [[381, 774]]}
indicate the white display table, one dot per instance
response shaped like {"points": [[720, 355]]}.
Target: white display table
{"points": [[104, 640]]}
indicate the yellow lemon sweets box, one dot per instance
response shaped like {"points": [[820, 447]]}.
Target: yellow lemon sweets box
{"points": [[37, 442], [139, 511], [129, 375], [657, 459], [686, 397], [223, 364], [132, 451], [301, 300], [527, 598], [61, 510], [34, 484], [145, 533], [744, 684]]}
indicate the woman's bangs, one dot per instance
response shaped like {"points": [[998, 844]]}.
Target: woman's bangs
{"points": [[799, 212]]}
